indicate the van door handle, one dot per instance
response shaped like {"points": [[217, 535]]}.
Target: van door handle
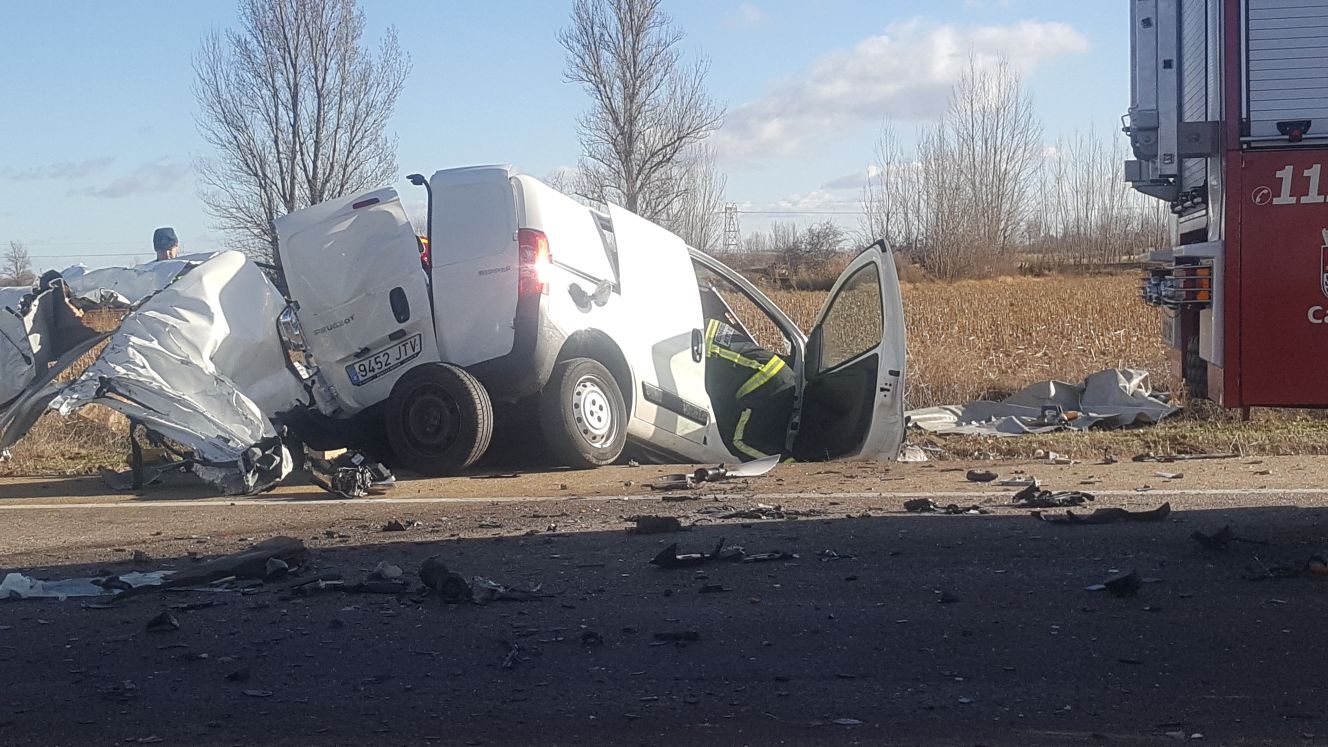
{"points": [[697, 344]]}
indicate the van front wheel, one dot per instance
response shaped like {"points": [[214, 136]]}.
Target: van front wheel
{"points": [[439, 419], [582, 414]]}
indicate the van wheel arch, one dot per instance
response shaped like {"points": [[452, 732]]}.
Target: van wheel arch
{"points": [[598, 346]]}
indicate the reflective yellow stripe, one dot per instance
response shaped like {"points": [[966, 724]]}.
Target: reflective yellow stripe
{"points": [[738, 433], [759, 378], [741, 360], [712, 328]]}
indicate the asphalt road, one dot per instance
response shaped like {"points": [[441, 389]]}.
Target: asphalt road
{"points": [[912, 629]]}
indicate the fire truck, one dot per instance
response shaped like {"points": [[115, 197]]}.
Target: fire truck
{"points": [[1228, 124]]}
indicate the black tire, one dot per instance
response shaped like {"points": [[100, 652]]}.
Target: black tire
{"points": [[582, 414], [439, 419]]}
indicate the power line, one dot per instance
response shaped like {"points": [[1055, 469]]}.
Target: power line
{"points": [[801, 212]]}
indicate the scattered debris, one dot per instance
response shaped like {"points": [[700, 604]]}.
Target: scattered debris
{"points": [[396, 525], [1019, 482], [1219, 540], [385, 571], [669, 557], [274, 569], [20, 586], [1169, 475], [122, 692], [1120, 585], [451, 587], [911, 453], [163, 623], [1181, 457], [483, 591], [679, 498], [981, 475], [678, 636], [1107, 516], [928, 506], [1034, 497], [846, 722], [350, 475], [825, 555], [655, 524]]}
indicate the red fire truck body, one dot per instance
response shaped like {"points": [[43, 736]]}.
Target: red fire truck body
{"points": [[1229, 124]]}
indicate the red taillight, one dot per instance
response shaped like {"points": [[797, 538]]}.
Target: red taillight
{"points": [[426, 259], [533, 247]]}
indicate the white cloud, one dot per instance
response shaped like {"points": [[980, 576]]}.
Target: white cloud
{"points": [[748, 15], [904, 74], [150, 178]]}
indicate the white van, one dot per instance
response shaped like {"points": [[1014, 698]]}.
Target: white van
{"points": [[599, 315]]}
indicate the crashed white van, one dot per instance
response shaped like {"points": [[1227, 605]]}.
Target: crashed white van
{"points": [[594, 317]]}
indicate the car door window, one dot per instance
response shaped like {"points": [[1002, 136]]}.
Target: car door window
{"points": [[853, 324]]}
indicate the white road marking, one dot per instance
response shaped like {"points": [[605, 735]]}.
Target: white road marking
{"points": [[765, 497]]}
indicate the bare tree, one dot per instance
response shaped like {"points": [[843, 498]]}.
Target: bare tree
{"points": [[997, 147], [17, 267], [647, 109], [697, 214], [892, 198], [296, 109]]}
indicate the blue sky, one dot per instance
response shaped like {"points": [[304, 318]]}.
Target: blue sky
{"points": [[99, 133]]}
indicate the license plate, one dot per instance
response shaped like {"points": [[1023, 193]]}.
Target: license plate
{"points": [[367, 369]]}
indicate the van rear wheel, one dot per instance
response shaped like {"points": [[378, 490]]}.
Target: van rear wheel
{"points": [[583, 415], [439, 419]]}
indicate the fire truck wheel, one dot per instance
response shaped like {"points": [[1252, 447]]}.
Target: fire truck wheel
{"points": [[439, 419], [583, 415]]}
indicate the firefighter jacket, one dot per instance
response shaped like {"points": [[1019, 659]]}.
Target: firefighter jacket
{"points": [[751, 389]]}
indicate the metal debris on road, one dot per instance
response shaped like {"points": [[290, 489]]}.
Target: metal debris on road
{"points": [[1107, 516], [1182, 457], [1221, 539], [436, 576], [929, 506], [163, 623], [1034, 497], [655, 524], [483, 591], [670, 558], [980, 475], [1120, 585]]}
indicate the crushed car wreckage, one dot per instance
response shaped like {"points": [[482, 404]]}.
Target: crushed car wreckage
{"points": [[369, 338]]}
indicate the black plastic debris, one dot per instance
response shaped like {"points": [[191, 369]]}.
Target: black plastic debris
{"points": [[928, 506], [1121, 585], [350, 475], [655, 524], [980, 475], [163, 623], [678, 636], [1034, 497], [1165, 458], [670, 558], [437, 577], [1107, 516]]}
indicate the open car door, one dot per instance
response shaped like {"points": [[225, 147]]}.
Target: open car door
{"points": [[853, 375]]}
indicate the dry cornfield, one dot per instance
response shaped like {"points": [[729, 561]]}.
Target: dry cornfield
{"points": [[987, 338]]}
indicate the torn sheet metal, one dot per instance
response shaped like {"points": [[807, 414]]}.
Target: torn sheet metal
{"points": [[123, 287], [198, 361], [1113, 398], [20, 586]]}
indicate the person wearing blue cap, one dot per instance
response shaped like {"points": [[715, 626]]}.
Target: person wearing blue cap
{"points": [[165, 243]]}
